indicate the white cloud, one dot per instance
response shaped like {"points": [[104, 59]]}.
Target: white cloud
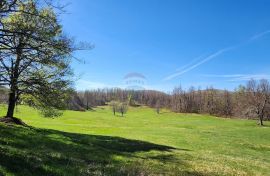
{"points": [[206, 59], [192, 66], [85, 85], [191, 63], [241, 77], [90, 85], [257, 36]]}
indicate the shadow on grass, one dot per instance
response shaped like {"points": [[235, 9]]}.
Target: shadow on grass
{"points": [[25, 151], [265, 125]]}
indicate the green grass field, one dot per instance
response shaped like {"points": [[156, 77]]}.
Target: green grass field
{"points": [[141, 143]]}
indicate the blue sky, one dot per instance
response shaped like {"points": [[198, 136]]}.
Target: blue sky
{"points": [[171, 42]]}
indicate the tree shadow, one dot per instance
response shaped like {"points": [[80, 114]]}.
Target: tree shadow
{"points": [[25, 151], [266, 124]]}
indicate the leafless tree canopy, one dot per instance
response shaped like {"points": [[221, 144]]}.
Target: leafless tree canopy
{"points": [[251, 101]]}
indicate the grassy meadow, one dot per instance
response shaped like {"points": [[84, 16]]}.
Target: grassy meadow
{"points": [[140, 143]]}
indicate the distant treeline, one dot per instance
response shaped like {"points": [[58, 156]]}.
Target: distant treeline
{"points": [[250, 101], [3, 95]]}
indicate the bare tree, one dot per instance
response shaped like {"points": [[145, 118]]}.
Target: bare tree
{"points": [[228, 104], [158, 106], [87, 99], [114, 105], [122, 108], [258, 98]]}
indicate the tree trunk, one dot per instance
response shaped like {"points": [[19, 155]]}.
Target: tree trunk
{"points": [[261, 121], [11, 104], [87, 106], [14, 81]]}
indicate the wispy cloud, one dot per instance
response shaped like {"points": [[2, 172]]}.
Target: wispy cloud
{"points": [[192, 65], [194, 61], [241, 77], [206, 59], [257, 36], [223, 76], [84, 84], [88, 85]]}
